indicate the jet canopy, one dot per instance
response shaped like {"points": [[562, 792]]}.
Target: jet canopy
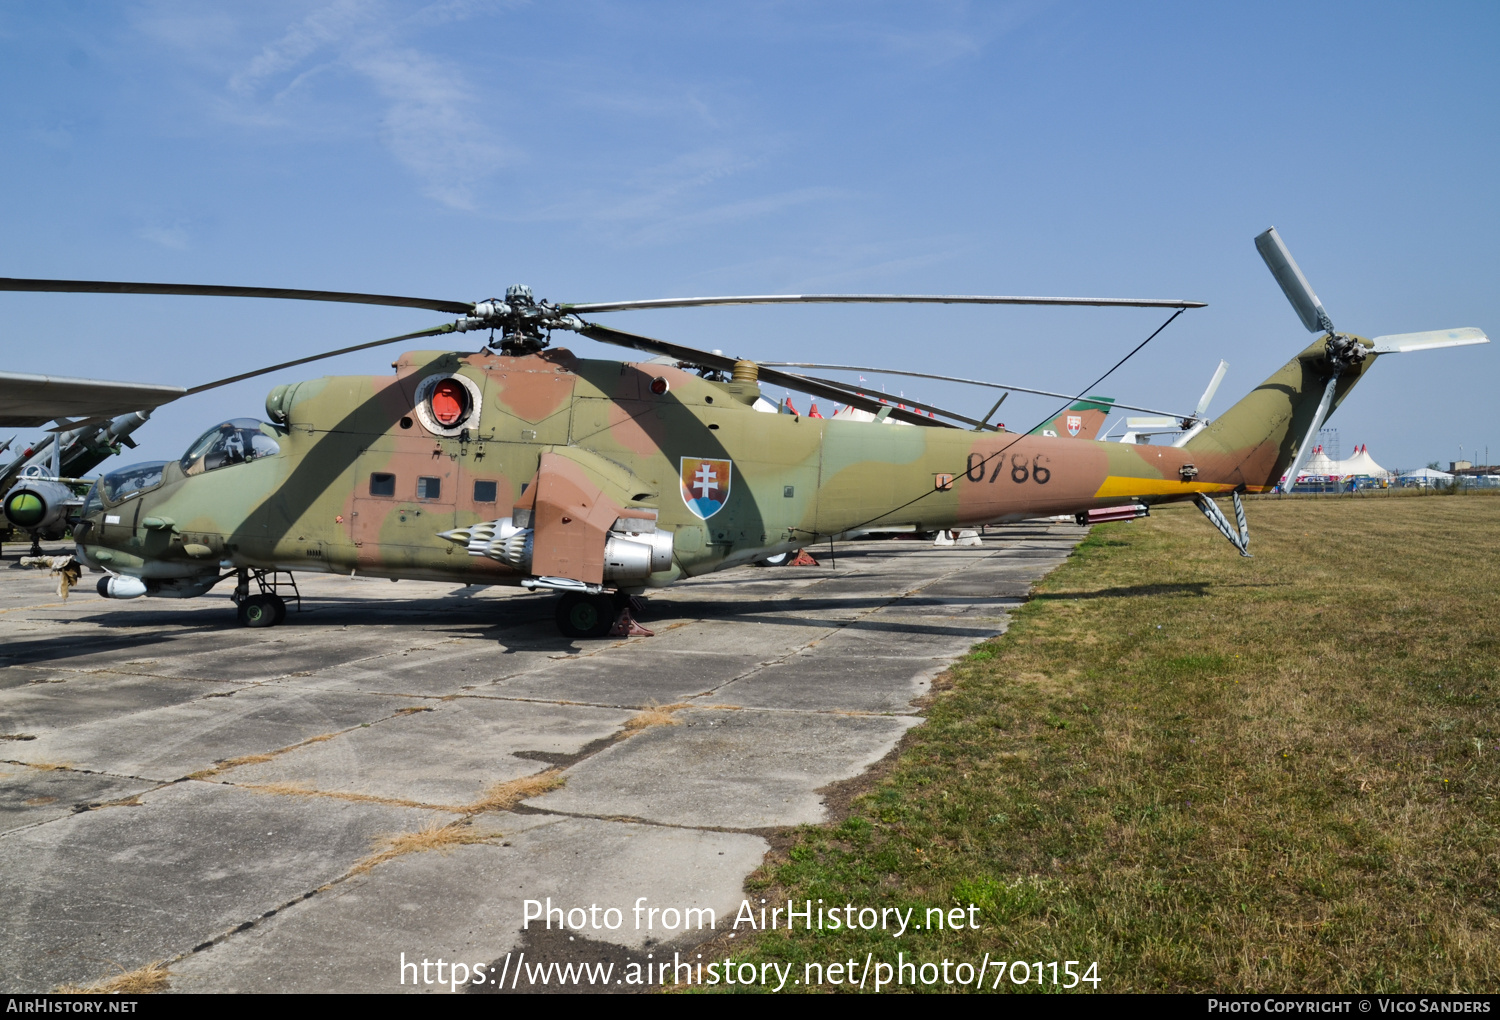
{"points": [[236, 441]]}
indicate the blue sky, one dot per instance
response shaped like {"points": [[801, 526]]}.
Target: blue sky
{"points": [[600, 151]]}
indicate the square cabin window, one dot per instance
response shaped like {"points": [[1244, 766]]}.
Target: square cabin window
{"points": [[382, 485], [484, 492], [429, 488]]}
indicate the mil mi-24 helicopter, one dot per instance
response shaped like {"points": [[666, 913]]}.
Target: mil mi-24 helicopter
{"points": [[600, 479]]}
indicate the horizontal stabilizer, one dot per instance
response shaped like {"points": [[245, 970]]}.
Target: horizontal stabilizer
{"points": [[1404, 343]]}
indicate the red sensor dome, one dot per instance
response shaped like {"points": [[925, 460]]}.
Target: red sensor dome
{"points": [[450, 403]]}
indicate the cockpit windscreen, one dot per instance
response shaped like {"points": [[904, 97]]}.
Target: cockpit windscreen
{"points": [[127, 481]]}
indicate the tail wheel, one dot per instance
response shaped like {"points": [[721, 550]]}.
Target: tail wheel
{"points": [[585, 616], [262, 611]]}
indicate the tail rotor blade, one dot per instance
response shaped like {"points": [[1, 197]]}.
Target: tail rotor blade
{"points": [[1293, 284], [1213, 387], [1431, 340]]}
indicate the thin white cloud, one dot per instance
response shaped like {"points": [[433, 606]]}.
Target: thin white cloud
{"points": [[430, 119], [434, 126], [174, 237], [324, 27]]}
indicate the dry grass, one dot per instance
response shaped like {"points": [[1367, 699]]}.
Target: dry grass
{"points": [[1209, 773], [654, 715], [132, 801], [153, 977], [229, 763], [499, 797], [442, 838], [302, 789], [504, 796], [256, 759]]}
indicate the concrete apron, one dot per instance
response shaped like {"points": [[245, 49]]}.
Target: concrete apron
{"points": [[180, 789]]}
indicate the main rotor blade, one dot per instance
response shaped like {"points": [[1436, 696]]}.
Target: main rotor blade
{"points": [[868, 299], [957, 379], [886, 399], [203, 290], [435, 331], [723, 363], [1293, 284]]}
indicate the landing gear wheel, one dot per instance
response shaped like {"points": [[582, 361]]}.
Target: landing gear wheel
{"points": [[260, 611], [279, 605], [585, 616]]}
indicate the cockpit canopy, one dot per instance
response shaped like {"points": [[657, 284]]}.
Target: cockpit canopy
{"points": [[237, 441], [125, 482]]}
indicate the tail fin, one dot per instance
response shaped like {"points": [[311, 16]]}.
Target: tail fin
{"points": [[1254, 442], [1083, 420]]}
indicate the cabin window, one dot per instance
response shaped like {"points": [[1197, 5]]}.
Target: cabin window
{"points": [[382, 484], [429, 488], [484, 492]]}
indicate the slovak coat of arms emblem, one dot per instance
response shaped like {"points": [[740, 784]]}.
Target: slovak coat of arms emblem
{"points": [[1075, 424], [705, 485]]}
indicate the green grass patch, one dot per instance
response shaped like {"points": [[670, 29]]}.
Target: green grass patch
{"points": [[1203, 772]]}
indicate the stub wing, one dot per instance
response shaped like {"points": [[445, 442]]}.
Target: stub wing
{"points": [[27, 401]]}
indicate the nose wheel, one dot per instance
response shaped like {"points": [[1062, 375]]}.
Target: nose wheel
{"points": [[262, 611]]}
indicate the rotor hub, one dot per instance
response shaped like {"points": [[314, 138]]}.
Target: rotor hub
{"points": [[1343, 352], [525, 324]]}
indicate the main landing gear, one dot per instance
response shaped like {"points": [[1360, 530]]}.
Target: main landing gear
{"points": [[606, 614], [266, 608]]}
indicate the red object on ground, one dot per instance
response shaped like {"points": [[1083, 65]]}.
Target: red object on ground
{"points": [[814, 412], [803, 559], [626, 625]]}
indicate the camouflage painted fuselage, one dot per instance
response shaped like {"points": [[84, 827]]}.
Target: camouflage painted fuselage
{"points": [[791, 480]]}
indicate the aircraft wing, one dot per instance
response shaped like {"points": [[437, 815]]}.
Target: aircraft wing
{"points": [[27, 401]]}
